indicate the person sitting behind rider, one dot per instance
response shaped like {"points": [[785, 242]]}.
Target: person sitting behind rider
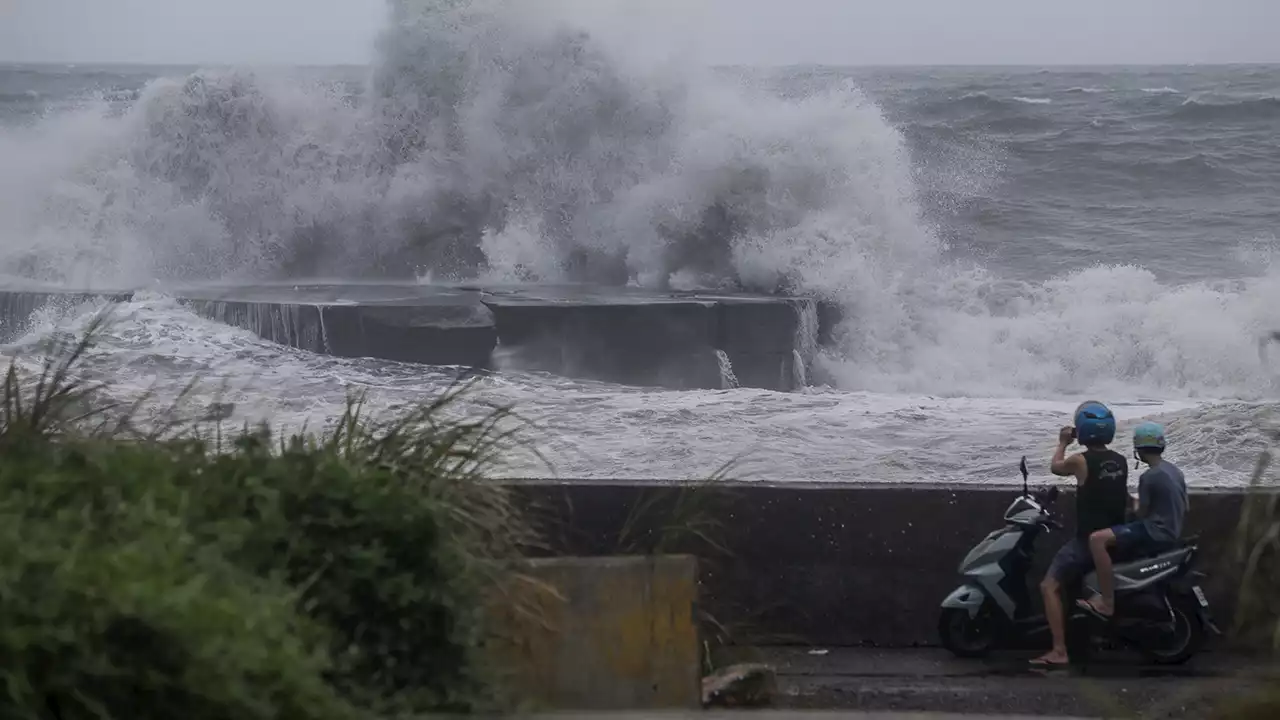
{"points": [[1102, 498], [1161, 506]]}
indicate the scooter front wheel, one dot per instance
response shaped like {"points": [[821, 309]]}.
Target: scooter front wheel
{"points": [[966, 636]]}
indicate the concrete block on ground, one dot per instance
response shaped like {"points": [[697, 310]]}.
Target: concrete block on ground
{"points": [[605, 633]]}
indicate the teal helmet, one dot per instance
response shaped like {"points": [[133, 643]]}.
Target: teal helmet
{"points": [[1149, 436]]}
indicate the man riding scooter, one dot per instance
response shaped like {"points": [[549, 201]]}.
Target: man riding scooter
{"points": [[1102, 497], [1160, 608], [1161, 506]]}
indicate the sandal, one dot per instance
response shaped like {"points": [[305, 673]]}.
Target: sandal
{"points": [[1044, 661], [1094, 609]]}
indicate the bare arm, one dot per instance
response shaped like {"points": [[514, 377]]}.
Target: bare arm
{"points": [[1064, 466], [1072, 466]]}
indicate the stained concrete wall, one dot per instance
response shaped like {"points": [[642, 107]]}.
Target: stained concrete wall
{"points": [[603, 633], [832, 565]]}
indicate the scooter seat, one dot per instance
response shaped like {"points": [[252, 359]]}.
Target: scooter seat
{"points": [[1150, 553], [1119, 558], [1137, 573], [1169, 555]]}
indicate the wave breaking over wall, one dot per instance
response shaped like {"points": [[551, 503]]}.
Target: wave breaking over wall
{"points": [[484, 145]]}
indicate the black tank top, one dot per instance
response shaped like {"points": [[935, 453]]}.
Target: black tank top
{"points": [[1104, 498]]}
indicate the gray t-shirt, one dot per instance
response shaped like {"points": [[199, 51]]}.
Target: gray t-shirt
{"points": [[1162, 501]]}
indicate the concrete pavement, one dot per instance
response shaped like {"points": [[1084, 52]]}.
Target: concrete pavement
{"points": [[789, 715], [930, 684], [932, 680]]}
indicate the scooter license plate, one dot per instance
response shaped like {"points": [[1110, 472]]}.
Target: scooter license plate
{"points": [[1204, 602]]}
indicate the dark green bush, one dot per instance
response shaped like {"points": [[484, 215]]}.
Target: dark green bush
{"points": [[298, 577], [393, 538], [121, 612]]}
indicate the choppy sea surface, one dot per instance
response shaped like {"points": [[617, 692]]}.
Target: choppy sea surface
{"points": [[1006, 241]]}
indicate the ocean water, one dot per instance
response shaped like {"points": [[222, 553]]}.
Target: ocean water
{"points": [[1006, 241]]}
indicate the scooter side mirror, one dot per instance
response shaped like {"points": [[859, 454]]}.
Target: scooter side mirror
{"points": [[1023, 467]]}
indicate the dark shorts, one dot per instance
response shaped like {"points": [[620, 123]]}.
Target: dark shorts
{"points": [[1134, 539], [1072, 562]]}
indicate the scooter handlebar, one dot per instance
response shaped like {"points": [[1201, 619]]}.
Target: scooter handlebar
{"points": [[1047, 496]]}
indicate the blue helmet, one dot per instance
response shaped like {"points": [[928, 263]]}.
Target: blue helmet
{"points": [[1095, 425], [1149, 436]]}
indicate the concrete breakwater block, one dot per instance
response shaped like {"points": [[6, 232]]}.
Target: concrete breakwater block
{"points": [[18, 307], [440, 327], [606, 633], [677, 340], [638, 340], [620, 335]]}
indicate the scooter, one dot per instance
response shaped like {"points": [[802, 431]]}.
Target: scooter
{"points": [[1161, 611]]}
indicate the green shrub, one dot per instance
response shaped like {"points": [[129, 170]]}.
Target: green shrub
{"points": [[297, 577], [132, 616], [393, 537]]}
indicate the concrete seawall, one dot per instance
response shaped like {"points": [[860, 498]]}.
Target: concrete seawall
{"points": [[678, 340], [830, 565]]}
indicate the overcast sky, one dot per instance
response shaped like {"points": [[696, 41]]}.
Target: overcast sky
{"points": [[853, 32]]}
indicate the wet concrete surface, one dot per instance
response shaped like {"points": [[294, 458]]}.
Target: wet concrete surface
{"points": [[678, 340], [933, 680], [781, 715], [933, 685]]}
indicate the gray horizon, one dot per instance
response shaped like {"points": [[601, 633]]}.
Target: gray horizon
{"points": [[905, 33]]}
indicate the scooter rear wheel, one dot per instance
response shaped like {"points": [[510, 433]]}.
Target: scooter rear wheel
{"points": [[965, 636], [1185, 640]]}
